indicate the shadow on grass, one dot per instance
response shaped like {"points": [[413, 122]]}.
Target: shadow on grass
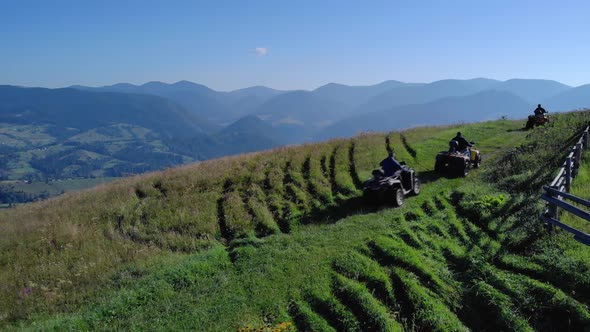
{"points": [[352, 206], [356, 205], [432, 175], [513, 130]]}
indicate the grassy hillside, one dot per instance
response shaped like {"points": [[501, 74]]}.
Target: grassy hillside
{"points": [[581, 189], [283, 236]]}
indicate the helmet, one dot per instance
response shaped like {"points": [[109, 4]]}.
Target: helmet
{"points": [[539, 105], [459, 134]]}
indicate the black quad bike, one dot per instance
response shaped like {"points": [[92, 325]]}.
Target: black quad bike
{"points": [[381, 188], [457, 163], [536, 121]]}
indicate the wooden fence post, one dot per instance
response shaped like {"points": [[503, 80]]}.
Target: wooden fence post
{"points": [[585, 139], [553, 209], [578, 158], [568, 174]]}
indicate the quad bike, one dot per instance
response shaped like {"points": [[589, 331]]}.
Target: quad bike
{"points": [[391, 188], [536, 120], [457, 163]]}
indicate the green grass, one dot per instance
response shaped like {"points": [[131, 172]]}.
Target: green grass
{"points": [[307, 319], [369, 311], [581, 189], [497, 308], [284, 236]]}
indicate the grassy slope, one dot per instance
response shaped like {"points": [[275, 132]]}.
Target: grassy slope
{"points": [[283, 236], [581, 189]]}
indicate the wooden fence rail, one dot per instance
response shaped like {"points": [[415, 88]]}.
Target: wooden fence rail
{"points": [[559, 190]]}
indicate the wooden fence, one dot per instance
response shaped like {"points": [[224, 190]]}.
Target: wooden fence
{"points": [[559, 190]]}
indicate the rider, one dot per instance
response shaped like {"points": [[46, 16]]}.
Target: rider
{"points": [[391, 166], [539, 111], [453, 146], [462, 144]]}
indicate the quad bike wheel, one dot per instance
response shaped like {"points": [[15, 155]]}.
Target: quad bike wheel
{"points": [[398, 197], [465, 171], [477, 162], [417, 187]]}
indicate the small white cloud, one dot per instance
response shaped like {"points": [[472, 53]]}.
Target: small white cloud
{"points": [[261, 51]]}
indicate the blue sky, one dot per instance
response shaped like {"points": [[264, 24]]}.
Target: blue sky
{"points": [[290, 44]]}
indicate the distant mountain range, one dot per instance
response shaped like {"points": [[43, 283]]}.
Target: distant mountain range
{"points": [[72, 108], [63, 133], [215, 106], [302, 115], [485, 105], [126, 128], [570, 99]]}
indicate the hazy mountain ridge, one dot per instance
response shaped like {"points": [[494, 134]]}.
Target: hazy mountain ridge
{"points": [[533, 91], [301, 107], [485, 105], [84, 110], [353, 96], [407, 95], [249, 134], [100, 120], [574, 98], [216, 106], [333, 102], [63, 133]]}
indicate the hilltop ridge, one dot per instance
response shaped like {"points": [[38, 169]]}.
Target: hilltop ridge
{"points": [[283, 235]]}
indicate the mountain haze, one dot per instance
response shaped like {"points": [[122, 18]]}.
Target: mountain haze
{"points": [[486, 105], [406, 95], [574, 98], [353, 96], [300, 107], [83, 110], [533, 91], [218, 107], [249, 134]]}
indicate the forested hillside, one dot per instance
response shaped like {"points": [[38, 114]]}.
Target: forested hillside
{"points": [[61, 134]]}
